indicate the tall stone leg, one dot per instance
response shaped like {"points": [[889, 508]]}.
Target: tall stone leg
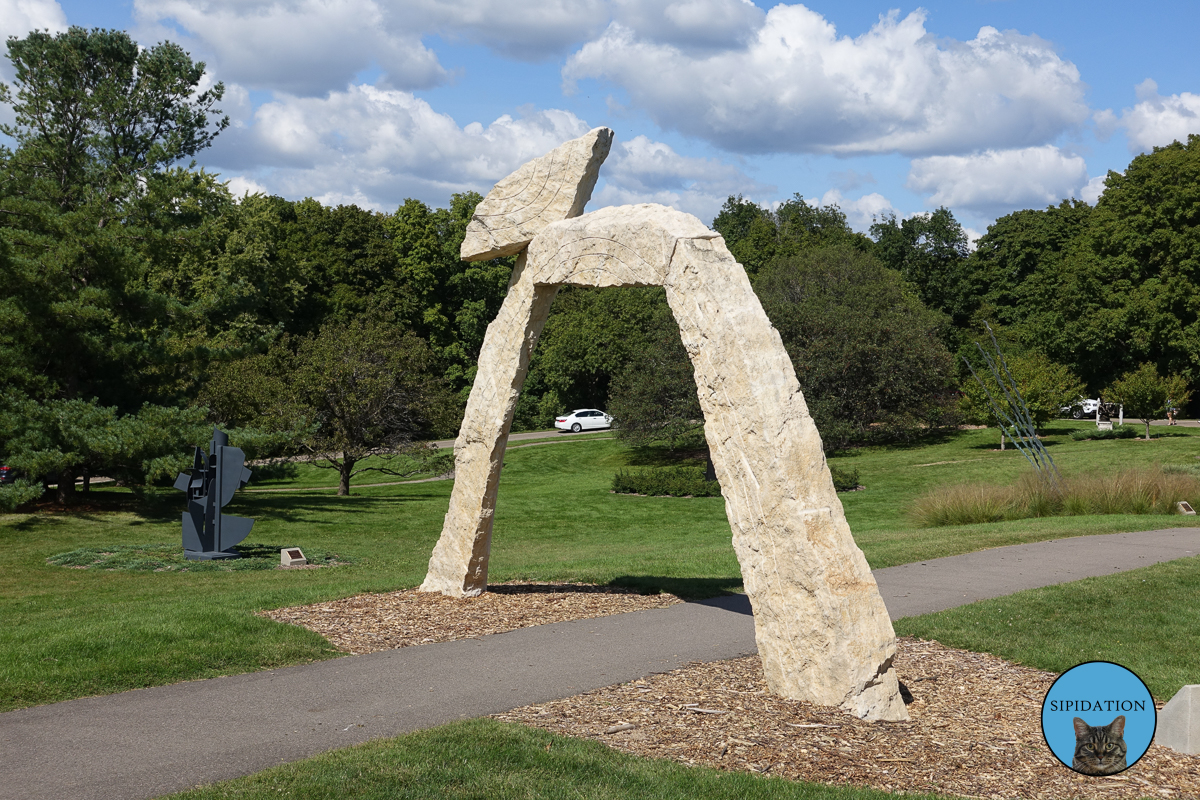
{"points": [[823, 632], [458, 567]]}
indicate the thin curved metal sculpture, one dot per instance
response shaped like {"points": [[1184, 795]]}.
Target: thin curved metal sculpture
{"points": [[822, 630]]}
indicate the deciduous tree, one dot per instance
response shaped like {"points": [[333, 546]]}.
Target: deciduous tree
{"points": [[350, 392]]}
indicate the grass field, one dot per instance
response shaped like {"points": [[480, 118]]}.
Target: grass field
{"points": [[71, 632], [486, 759]]}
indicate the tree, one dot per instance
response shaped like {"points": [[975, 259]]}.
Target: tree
{"points": [[455, 300], [98, 124], [1144, 393], [654, 398], [589, 338], [1045, 386], [1019, 252], [757, 236], [58, 441], [868, 354], [1105, 289], [930, 251], [347, 393]]}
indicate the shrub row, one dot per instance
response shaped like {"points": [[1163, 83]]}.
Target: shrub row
{"points": [[1117, 432], [668, 481], [1133, 491]]}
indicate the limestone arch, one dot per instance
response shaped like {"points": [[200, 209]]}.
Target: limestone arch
{"points": [[822, 630]]}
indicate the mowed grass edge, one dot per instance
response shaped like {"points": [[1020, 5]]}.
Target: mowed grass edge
{"points": [[488, 759]]}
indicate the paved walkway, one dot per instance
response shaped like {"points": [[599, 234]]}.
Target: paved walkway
{"points": [[150, 742]]}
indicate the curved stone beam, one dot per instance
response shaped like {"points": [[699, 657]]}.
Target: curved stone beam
{"points": [[822, 629], [554, 187]]}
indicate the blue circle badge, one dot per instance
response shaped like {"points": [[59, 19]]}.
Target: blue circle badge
{"points": [[1098, 718]]}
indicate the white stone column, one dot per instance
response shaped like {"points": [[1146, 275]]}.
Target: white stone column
{"points": [[822, 629], [458, 567]]}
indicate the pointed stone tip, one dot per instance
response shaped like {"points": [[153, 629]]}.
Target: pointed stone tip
{"points": [[554, 187]]}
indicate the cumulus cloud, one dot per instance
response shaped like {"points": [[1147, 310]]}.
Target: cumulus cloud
{"points": [[19, 17], [998, 181], [645, 171], [529, 30], [375, 147], [240, 186], [863, 212], [295, 46], [796, 86], [695, 26], [1155, 121], [313, 46], [1092, 190]]}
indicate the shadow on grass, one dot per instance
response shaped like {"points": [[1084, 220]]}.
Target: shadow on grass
{"points": [[664, 457], [292, 508], [687, 588]]}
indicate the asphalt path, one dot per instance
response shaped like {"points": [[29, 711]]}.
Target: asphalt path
{"points": [[149, 742]]}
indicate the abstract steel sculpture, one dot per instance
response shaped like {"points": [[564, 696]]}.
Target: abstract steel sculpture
{"points": [[207, 533], [823, 632]]}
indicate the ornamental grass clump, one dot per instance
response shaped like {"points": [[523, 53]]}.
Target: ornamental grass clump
{"points": [[1151, 490]]}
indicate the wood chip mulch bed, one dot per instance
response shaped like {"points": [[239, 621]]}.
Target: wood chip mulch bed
{"points": [[974, 730], [371, 622]]}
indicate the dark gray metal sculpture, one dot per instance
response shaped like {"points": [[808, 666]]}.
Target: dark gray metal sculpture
{"points": [[207, 533]]}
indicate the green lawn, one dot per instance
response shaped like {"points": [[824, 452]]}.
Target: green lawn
{"points": [[895, 476], [487, 759], [68, 633], [1146, 619]]}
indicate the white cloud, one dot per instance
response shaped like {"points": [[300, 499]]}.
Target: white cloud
{"points": [[693, 25], [239, 186], [296, 46], [528, 30], [1155, 121], [1092, 190], [20, 17], [795, 86], [863, 212], [375, 147], [313, 46], [999, 180], [645, 171]]}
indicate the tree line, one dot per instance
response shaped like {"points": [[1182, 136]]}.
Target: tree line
{"points": [[142, 303]]}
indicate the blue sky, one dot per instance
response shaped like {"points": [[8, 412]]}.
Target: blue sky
{"points": [[985, 107]]}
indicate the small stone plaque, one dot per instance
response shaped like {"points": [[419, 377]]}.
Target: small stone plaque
{"points": [[292, 557], [1185, 508]]}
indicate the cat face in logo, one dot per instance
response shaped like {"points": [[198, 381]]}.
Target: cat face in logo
{"points": [[1100, 749]]}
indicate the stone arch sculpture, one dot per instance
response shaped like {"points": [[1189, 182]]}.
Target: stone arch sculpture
{"points": [[822, 630]]}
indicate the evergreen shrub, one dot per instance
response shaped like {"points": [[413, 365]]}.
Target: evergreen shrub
{"points": [[1117, 432], [666, 481]]}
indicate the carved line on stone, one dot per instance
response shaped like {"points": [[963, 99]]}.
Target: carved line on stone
{"points": [[533, 173], [541, 191], [564, 261]]}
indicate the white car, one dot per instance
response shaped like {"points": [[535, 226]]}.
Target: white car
{"points": [[583, 419], [1081, 408]]}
